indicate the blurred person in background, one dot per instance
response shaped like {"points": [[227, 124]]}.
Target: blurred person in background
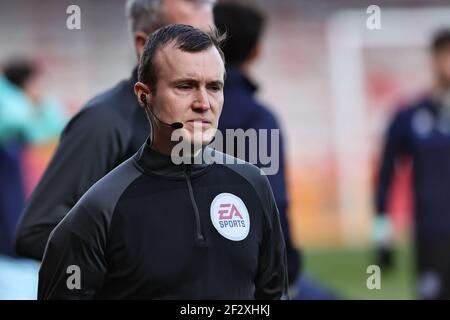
{"points": [[27, 116], [421, 131], [244, 26], [109, 129]]}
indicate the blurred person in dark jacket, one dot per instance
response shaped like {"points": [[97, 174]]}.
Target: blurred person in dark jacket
{"points": [[109, 129], [27, 116], [244, 27], [421, 132]]}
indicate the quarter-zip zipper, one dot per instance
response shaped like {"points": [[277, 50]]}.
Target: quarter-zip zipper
{"points": [[199, 235]]}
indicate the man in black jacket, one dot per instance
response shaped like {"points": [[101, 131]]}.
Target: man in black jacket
{"points": [[106, 132], [244, 26], [152, 229]]}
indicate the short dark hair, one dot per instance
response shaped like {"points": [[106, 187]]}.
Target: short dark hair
{"points": [[243, 25], [441, 40], [19, 70], [186, 38]]}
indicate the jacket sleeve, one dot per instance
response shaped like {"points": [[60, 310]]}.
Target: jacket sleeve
{"points": [[396, 144], [272, 278], [74, 264], [278, 183], [90, 147]]}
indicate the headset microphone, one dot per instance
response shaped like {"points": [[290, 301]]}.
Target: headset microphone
{"points": [[175, 125]]}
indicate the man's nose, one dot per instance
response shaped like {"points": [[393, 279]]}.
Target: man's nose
{"points": [[201, 101]]}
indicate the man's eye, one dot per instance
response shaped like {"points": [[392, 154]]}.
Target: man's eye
{"points": [[215, 88], [184, 86]]}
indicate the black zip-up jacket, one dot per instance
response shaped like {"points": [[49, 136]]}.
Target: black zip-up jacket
{"points": [[241, 110], [151, 229], [106, 132]]}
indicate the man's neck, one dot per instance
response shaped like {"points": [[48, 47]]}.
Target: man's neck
{"points": [[161, 146], [165, 146]]}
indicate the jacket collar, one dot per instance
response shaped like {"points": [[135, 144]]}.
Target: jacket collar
{"points": [[156, 163], [238, 78]]}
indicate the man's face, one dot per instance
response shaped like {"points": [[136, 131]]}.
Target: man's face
{"points": [[189, 89], [442, 66], [197, 13]]}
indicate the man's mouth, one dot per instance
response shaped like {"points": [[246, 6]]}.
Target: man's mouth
{"points": [[200, 122]]}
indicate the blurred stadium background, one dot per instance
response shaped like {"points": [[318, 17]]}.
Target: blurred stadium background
{"points": [[332, 82]]}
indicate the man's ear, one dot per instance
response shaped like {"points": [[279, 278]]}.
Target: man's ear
{"points": [[139, 43], [142, 92]]}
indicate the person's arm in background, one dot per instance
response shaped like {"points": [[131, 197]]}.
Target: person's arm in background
{"points": [[396, 144], [278, 183], [272, 278], [89, 148]]}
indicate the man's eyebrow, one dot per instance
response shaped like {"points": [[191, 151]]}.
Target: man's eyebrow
{"points": [[192, 80], [187, 79], [216, 82]]}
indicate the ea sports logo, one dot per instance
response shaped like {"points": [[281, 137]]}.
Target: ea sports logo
{"points": [[228, 211], [229, 216]]}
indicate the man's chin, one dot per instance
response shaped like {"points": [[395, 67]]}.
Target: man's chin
{"points": [[201, 143], [203, 137]]}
